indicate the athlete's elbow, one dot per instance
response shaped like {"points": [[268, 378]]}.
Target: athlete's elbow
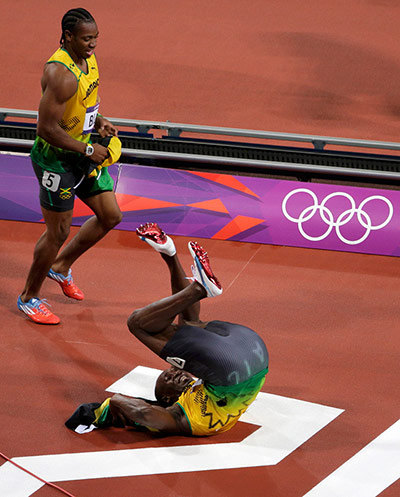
{"points": [[42, 132], [131, 409], [46, 132]]}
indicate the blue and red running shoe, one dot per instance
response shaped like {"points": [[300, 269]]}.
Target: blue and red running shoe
{"points": [[67, 284], [202, 271], [37, 311]]}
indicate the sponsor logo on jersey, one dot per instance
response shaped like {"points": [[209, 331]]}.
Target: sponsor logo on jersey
{"points": [[176, 361], [91, 88]]}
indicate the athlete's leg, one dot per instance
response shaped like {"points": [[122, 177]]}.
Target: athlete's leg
{"points": [[152, 324], [179, 281], [107, 216], [162, 243], [46, 249]]}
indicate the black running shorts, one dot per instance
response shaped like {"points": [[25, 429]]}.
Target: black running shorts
{"points": [[222, 353], [58, 190]]}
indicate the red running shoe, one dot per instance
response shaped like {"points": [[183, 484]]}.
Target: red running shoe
{"points": [[202, 271], [37, 311], [156, 238], [67, 284]]}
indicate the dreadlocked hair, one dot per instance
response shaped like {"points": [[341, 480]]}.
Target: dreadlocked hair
{"points": [[72, 19]]}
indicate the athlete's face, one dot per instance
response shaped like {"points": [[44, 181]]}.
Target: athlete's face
{"points": [[83, 39], [170, 384]]}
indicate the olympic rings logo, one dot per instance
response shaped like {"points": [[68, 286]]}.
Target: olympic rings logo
{"points": [[328, 217]]}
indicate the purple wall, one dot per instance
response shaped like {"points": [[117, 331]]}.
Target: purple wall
{"points": [[238, 208]]}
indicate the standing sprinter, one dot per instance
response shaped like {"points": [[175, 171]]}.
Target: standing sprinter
{"points": [[68, 113]]}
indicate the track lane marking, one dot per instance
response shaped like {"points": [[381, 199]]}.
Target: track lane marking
{"points": [[368, 472]]}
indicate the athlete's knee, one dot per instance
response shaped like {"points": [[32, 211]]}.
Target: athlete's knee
{"points": [[118, 218], [63, 232], [57, 235], [114, 219], [138, 322], [111, 220], [135, 321]]}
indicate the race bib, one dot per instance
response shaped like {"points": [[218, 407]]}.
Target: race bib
{"points": [[90, 119], [51, 181]]}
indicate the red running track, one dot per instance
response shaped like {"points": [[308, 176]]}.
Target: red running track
{"points": [[330, 321], [319, 67]]}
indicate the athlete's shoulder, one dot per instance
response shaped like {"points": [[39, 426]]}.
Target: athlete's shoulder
{"points": [[62, 59], [58, 80], [57, 75]]}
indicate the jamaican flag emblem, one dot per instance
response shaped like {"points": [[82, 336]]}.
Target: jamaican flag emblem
{"points": [[65, 193]]}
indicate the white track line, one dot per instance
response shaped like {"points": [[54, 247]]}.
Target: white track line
{"points": [[367, 473]]}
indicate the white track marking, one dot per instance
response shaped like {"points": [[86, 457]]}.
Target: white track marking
{"points": [[284, 423], [369, 472], [17, 483]]}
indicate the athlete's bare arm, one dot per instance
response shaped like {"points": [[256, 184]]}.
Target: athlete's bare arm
{"points": [[128, 410], [104, 127], [59, 85]]}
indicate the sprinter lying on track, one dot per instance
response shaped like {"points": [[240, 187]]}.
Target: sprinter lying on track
{"points": [[229, 361]]}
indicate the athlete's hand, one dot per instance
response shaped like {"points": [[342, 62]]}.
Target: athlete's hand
{"points": [[100, 153], [105, 128]]}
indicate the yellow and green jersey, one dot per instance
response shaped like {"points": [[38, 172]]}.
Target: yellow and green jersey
{"points": [[213, 409], [79, 116]]}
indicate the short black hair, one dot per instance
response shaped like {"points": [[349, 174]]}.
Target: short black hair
{"points": [[72, 18]]}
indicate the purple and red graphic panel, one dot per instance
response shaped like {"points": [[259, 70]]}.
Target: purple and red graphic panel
{"points": [[241, 208]]}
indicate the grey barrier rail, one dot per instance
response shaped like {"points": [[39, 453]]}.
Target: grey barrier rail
{"points": [[381, 166], [175, 130]]}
